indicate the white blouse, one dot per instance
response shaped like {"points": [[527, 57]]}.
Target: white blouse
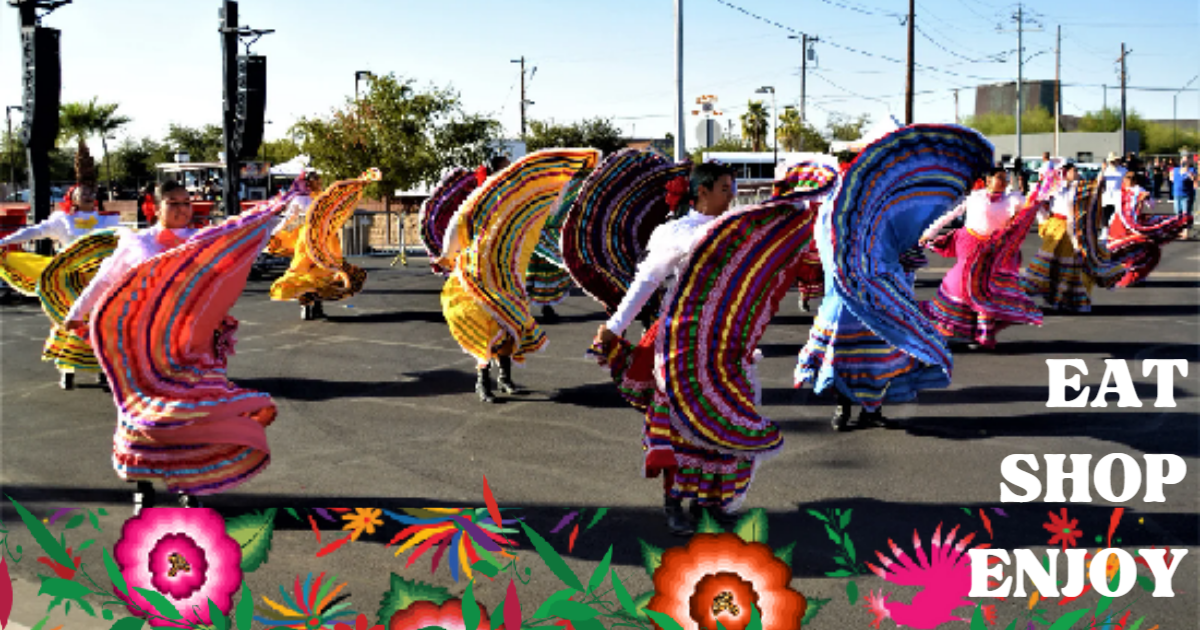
{"points": [[984, 216], [133, 249], [63, 228], [668, 249]]}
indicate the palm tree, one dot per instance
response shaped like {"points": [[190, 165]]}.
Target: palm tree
{"points": [[80, 120], [754, 125], [791, 129]]}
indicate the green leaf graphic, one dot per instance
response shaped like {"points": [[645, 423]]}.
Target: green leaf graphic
{"points": [[833, 535], [129, 623], [544, 611], [1146, 583], [470, 608], [114, 574], [839, 573], [601, 570], [292, 513], [1012, 626], [640, 604], [1137, 624], [822, 517], [572, 611], [977, 620], [755, 619], [596, 519], [814, 609], [244, 614], [254, 533], [75, 521], [852, 591], [651, 556], [404, 593], [219, 621], [623, 595], [753, 526], [43, 536], [666, 622], [160, 603], [849, 549], [58, 587], [845, 520], [486, 568], [1069, 620], [785, 553], [95, 520], [552, 559], [588, 624], [87, 543], [708, 524], [498, 616]]}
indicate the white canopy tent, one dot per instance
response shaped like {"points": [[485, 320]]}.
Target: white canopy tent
{"points": [[293, 167]]}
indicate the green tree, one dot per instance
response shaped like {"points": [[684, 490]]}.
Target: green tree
{"points": [[278, 151], [204, 144], [595, 133], [724, 145], [796, 135], [411, 136], [755, 124], [83, 120], [133, 162], [846, 129]]}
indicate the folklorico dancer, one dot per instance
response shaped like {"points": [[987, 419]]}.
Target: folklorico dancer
{"points": [[980, 295], [1057, 274], [488, 247], [1137, 237], [158, 311], [283, 241], [810, 277], [694, 372], [57, 280], [437, 211], [548, 281], [870, 341], [319, 272]]}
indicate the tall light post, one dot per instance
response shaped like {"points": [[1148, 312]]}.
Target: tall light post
{"points": [[1175, 110], [359, 76], [775, 118], [8, 141]]}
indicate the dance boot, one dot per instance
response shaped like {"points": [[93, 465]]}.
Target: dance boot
{"points": [[318, 310], [188, 501], [505, 381], [102, 381], [677, 520], [66, 380], [549, 315], [875, 420], [483, 385], [306, 312], [841, 415]]}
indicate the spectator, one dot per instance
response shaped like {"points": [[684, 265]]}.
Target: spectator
{"points": [[1113, 174]]}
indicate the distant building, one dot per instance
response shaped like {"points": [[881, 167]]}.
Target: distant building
{"points": [[1078, 147], [1001, 98]]}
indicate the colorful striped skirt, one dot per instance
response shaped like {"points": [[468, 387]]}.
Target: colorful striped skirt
{"points": [[707, 477], [953, 311], [22, 270], [1140, 251], [547, 283], [810, 275], [307, 282], [1056, 274], [843, 353]]}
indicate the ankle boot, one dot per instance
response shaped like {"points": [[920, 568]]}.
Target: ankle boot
{"points": [[505, 380], [875, 419], [483, 385], [841, 415], [66, 380], [143, 497], [677, 519]]}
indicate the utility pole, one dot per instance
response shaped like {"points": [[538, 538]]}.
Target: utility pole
{"points": [[805, 41], [523, 99], [956, 106], [680, 145], [1124, 53], [908, 90], [1020, 19], [1057, 88]]}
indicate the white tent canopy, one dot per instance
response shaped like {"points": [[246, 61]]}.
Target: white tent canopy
{"points": [[293, 167]]}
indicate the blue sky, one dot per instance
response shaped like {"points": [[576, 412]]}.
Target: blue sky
{"points": [[160, 58]]}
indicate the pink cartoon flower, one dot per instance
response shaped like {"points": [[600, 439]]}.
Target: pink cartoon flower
{"points": [[184, 554]]}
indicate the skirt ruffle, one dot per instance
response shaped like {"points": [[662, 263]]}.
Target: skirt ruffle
{"points": [[1056, 274]]}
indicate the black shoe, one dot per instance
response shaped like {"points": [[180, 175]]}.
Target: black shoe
{"points": [[841, 417], [143, 497], [549, 315], [804, 307], [318, 310], [483, 385], [188, 501], [504, 381], [66, 380], [102, 381], [875, 420], [677, 520], [306, 312]]}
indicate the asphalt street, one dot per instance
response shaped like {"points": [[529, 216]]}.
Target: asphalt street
{"points": [[376, 408]]}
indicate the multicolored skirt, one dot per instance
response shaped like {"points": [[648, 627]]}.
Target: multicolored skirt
{"points": [[307, 282], [1140, 251], [61, 283], [810, 275], [22, 270], [283, 243], [708, 477], [547, 283], [1056, 274], [953, 311], [842, 352]]}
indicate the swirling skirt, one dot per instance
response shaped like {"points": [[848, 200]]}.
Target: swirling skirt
{"points": [[1056, 274], [547, 283], [21, 270]]}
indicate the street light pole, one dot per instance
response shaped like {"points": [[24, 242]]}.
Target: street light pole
{"points": [[1175, 110], [680, 144], [8, 142]]}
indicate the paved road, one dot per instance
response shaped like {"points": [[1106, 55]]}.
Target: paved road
{"points": [[376, 408]]}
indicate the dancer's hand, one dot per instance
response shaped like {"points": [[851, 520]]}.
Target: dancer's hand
{"points": [[605, 336], [924, 240], [76, 327]]}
